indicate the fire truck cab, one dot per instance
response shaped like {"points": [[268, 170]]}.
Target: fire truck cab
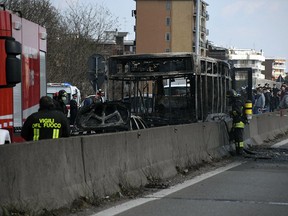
{"points": [[22, 70]]}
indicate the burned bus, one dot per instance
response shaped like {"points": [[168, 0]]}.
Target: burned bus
{"points": [[147, 81]]}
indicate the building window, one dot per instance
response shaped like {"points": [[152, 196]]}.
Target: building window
{"points": [[167, 36], [167, 50], [168, 5], [168, 21]]}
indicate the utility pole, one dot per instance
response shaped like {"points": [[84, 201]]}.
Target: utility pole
{"points": [[197, 22], [197, 39], [96, 72]]}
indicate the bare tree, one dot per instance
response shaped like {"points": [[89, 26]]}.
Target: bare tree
{"points": [[73, 36], [43, 13], [39, 11], [83, 34]]}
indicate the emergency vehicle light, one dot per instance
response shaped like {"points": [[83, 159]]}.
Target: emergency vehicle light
{"points": [[54, 84], [59, 84]]}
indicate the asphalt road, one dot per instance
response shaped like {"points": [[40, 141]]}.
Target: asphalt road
{"points": [[249, 186]]}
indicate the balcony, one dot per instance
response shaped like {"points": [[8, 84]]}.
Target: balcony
{"points": [[203, 29], [278, 67], [203, 44], [239, 56], [205, 14], [202, 13], [253, 66]]}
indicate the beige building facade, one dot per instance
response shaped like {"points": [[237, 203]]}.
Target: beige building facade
{"points": [[171, 26], [275, 67]]}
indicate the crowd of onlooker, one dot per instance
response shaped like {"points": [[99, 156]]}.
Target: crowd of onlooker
{"points": [[269, 99]]}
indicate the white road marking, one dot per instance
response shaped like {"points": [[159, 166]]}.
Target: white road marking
{"points": [[277, 145], [278, 203], [165, 192]]}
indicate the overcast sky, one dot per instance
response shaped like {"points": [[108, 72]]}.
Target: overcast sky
{"points": [[247, 24]]}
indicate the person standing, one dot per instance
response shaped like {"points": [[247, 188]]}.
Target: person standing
{"points": [[60, 102], [284, 101], [87, 101], [276, 92], [73, 109], [267, 95], [274, 101], [239, 118], [259, 104], [98, 97], [47, 123]]}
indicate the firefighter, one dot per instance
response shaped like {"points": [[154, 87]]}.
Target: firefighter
{"points": [[47, 123], [60, 101], [238, 115]]}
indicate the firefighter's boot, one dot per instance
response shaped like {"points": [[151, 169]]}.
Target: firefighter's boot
{"points": [[239, 149]]}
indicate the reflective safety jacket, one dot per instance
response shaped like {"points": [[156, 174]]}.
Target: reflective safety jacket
{"points": [[45, 124], [238, 113]]}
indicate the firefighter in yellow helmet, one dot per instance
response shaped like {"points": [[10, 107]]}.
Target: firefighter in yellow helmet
{"points": [[238, 115]]}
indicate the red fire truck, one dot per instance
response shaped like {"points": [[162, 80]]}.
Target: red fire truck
{"points": [[22, 70]]}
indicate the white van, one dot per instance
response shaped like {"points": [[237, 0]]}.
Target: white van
{"points": [[53, 88]]}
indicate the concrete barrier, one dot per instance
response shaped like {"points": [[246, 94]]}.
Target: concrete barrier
{"points": [[266, 127], [130, 159], [40, 174], [51, 173]]}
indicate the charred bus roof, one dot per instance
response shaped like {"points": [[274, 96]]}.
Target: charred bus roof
{"points": [[150, 66], [165, 65]]}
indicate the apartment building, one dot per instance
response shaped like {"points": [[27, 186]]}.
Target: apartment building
{"points": [[274, 68], [171, 26], [241, 58], [113, 43]]}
